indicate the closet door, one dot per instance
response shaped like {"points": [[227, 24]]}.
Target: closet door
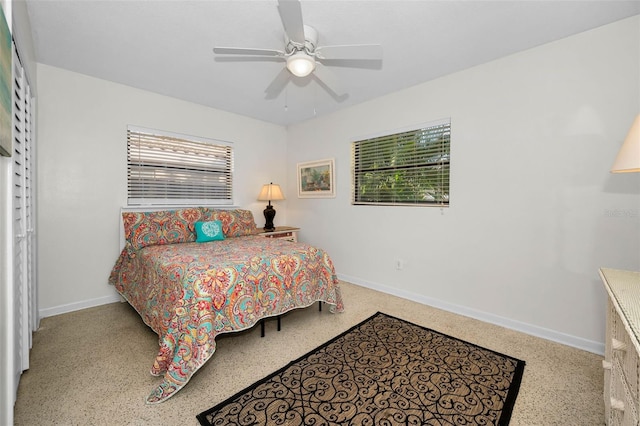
{"points": [[23, 220]]}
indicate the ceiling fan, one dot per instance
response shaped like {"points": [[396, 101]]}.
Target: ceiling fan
{"points": [[302, 54]]}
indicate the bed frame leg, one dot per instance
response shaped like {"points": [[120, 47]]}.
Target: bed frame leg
{"points": [[320, 305], [262, 325]]}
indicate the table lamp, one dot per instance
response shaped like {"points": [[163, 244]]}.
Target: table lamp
{"points": [[628, 159], [270, 192]]}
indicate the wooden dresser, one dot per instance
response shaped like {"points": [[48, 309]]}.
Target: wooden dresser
{"points": [[622, 347]]}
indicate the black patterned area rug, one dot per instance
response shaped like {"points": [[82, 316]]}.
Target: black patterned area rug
{"points": [[383, 371]]}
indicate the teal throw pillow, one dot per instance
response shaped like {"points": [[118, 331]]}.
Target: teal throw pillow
{"points": [[209, 231]]}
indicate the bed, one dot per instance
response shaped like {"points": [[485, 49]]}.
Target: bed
{"points": [[189, 292]]}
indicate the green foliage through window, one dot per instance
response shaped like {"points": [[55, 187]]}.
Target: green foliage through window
{"points": [[407, 168]]}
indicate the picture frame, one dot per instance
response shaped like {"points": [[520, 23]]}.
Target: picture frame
{"points": [[316, 179], [6, 88]]}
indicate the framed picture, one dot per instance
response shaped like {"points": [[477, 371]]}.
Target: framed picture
{"points": [[5, 87], [316, 179]]}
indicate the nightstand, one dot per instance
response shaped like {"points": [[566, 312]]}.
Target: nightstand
{"points": [[288, 233]]}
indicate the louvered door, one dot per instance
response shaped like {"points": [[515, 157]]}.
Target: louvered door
{"points": [[23, 221]]}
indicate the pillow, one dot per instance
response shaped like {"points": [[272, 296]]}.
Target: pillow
{"points": [[235, 223], [142, 229], [209, 231]]}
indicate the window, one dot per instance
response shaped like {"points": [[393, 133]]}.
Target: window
{"points": [[406, 168], [165, 169]]}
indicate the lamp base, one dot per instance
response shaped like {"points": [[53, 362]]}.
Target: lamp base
{"points": [[269, 214]]}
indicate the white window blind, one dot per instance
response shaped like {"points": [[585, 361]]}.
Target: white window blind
{"points": [[405, 168], [165, 168]]}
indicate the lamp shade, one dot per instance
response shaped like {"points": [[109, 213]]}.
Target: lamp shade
{"points": [[300, 64], [271, 192], [628, 159]]}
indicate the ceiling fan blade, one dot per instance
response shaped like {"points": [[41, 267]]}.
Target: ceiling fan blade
{"points": [[247, 51], [328, 80], [365, 64], [350, 51], [291, 16], [278, 84], [249, 58]]}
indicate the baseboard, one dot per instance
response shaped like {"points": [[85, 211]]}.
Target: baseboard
{"points": [[76, 306], [533, 330]]}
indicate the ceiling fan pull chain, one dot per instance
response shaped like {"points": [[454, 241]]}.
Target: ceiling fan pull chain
{"points": [[286, 101]]}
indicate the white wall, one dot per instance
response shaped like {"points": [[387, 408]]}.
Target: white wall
{"points": [[7, 335], [534, 210], [82, 124]]}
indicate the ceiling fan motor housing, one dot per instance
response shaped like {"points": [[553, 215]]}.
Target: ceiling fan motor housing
{"points": [[310, 41]]}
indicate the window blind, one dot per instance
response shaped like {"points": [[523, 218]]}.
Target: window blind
{"points": [[406, 168], [165, 169]]}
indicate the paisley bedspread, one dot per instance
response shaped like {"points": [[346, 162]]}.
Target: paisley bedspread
{"points": [[189, 293]]}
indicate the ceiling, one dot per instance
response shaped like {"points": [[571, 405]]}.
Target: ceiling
{"points": [[166, 46]]}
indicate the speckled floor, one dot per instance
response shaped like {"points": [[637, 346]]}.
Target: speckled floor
{"points": [[91, 367]]}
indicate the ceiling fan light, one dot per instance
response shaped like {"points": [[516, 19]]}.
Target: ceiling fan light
{"points": [[300, 64]]}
